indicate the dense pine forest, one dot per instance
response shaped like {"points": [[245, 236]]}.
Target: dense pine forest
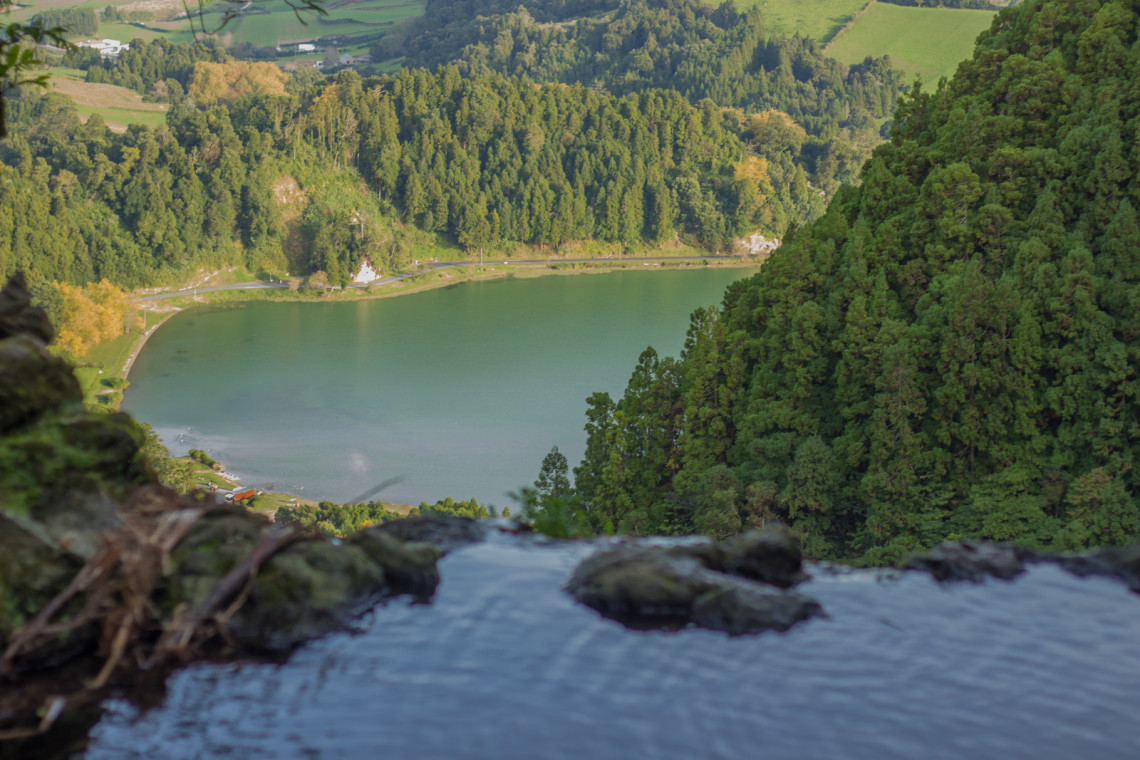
{"points": [[951, 351], [685, 45], [694, 126]]}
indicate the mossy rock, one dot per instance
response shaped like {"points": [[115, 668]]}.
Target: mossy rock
{"points": [[33, 383], [670, 587], [104, 448], [770, 555], [409, 567], [304, 591], [33, 569], [220, 539]]}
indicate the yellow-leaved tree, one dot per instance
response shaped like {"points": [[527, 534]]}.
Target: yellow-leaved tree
{"points": [[93, 313]]}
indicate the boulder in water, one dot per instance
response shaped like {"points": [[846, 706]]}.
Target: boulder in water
{"points": [[658, 587]]}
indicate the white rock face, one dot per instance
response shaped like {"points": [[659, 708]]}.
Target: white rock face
{"points": [[366, 274], [758, 245]]}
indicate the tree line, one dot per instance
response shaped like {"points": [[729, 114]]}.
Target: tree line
{"points": [[951, 351], [701, 51], [480, 160]]}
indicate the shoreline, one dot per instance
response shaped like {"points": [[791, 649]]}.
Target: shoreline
{"points": [[444, 278], [143, 337]]}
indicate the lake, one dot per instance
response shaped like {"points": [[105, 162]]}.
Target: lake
{"points": [[459, 391]]}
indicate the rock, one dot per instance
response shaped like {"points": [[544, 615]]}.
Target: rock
{"points": [[75, 512], [220, 539], [750, 608], [446, 532], [633, 584], [970, 561], [33, 383], [18, 316], [33, 568], [771, 555], [669, 587], [409, 567], [309, 589], [1121, 563]]}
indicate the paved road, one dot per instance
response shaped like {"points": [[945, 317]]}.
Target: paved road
{"points": [[427, 267]]}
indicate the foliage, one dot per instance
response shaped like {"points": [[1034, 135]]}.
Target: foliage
{"points": [[554, 516], [177, 474], [952, 351], [18, 56], [683, 45], [198, 455], [92, 314], [486, 160], [333, 519]]}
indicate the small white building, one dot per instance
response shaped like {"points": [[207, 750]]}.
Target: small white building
{"points": [[306, 47]]}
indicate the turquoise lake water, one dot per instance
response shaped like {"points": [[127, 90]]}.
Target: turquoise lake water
{"points": [[459, 391]]}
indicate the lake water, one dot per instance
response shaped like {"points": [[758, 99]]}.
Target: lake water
{"points": [[459, 391]]}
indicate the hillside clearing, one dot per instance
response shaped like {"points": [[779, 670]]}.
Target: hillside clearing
{"points": [[926, 42], [118, 106]]}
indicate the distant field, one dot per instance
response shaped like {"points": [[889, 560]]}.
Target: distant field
{"points": [[930, 42], [819, 19], [347, 17], [118, 106]]}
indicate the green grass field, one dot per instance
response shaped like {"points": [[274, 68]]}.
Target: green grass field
{"points": [[929, 42], [819, 19], [345, 17], [118, 106]]}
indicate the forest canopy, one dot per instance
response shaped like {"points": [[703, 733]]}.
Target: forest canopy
{"points": [[951, 351]]}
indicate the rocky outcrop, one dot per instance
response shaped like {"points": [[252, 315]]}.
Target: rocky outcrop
{"points": [[738, 587], [98, 558], [971, 561], [443, 531]]}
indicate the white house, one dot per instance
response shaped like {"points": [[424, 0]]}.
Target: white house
{"points": [[306, 47]]}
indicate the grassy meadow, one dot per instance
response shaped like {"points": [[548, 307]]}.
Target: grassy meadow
{"points": [[118, 106], [818, 19], [276, 24], [926, 42]]}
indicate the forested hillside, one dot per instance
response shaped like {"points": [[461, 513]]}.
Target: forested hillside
{"points": [[481, 160], [953, 350], [685, 45]]}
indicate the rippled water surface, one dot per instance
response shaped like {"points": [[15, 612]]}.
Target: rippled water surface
{"points": [[504, 665]]}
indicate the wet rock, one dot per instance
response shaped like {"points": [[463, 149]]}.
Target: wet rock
{"points": [[741, 608], [33, 383], [771, 555], [655, 587], [1121, 563], [307, 590], [970, 561], [446, 532], [18, 316], [640, 583], [409, 567]]}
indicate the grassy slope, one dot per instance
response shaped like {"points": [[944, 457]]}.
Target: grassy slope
{"points": [[118, 106], [819, 19], [360, 17], [930, 42]]}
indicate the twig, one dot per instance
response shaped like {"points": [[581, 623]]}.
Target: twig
{"points": [[178, 636]]}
